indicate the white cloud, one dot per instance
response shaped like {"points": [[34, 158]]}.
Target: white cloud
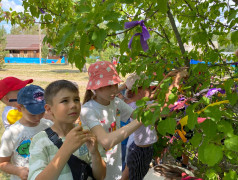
{"points": [[7, 4]]}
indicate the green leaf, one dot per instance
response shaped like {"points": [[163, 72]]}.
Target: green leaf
{"points": [[115, 26], [212, 154], [167, 126], [84, 8], [209, 128], [211, 174], [201, 152], [163, 6], [231, 175], [213, 112], [145, 98], [140, 102], [226, 127], [94, 36], [111, 15], [83, 43], [232, 15], [33, 10], [192, 120], [172, 97], [99, 37], [232, 143], [196, 139], [148, 115], [228, 84], [206, 100], [233, 98], [234, 37], [67, 32], [165, 111], [124, 46]]}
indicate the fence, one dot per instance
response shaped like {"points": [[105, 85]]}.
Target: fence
{"points": [[33, 60]]}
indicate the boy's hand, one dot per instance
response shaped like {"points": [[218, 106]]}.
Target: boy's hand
{"points": [[23, 173], [76, 138], [92, 143]]}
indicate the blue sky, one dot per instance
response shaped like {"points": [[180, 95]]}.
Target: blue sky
{"points": [[16, 5]]}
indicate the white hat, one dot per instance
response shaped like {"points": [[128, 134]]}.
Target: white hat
{"points": [[130, 81]]}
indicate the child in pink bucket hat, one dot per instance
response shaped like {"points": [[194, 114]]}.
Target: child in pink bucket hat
{"points": [[101, 74], [102, 112]]}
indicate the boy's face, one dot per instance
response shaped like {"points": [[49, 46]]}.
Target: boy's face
{"points": [[65, 106], [28, 118]]}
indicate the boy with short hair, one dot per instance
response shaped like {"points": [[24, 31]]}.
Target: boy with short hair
{"points": [[48, 159], [9, 87], [14, 149]]}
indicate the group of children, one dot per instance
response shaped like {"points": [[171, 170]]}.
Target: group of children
{"points": [[37, 148]]}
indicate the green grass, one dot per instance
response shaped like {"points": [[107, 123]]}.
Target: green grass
{"points": [[46, 73], [42, 76]]}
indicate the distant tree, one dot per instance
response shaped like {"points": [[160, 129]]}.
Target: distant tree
{"points": [[45, 52], [2, 46], [31, 30]]}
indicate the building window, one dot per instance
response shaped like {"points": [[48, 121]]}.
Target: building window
{"points": [[16, 51]]}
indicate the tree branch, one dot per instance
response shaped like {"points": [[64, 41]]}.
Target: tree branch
{"points": [[178, 37]]}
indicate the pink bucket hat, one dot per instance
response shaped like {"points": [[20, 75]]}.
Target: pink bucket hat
{"points": [[101, 74]]}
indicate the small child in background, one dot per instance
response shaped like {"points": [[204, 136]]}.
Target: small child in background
{"points": [[48, 161], [140, 152], [9, 87], [121, 95], [16, 140], [102, 112]]}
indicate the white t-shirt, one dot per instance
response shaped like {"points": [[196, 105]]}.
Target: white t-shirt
{"points": [[109, 117], [16, 141], [144, 135], [10, 115], [43, 151]]}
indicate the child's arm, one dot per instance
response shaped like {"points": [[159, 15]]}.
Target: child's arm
{"points": [[176, 81], [108, 140], [98, 165], [8, 167], [74, 139], [179, 74]]}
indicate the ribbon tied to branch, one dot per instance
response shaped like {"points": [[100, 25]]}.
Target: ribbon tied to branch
{"points": [[144, 36]]}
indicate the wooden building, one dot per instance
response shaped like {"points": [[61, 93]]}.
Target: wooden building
{"points": [[23, 45]]}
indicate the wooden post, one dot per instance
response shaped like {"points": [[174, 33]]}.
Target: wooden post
{"points": [[39, 43]]}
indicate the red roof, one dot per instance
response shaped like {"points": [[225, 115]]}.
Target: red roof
{"points": [[23, 42]]}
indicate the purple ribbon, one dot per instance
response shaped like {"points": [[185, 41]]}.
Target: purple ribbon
{"points": [[213, 91], [144, 36], [42, 11]]}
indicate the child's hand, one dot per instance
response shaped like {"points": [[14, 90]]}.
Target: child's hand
{"points": [[182, 74], [23, 173], [92, 143], [176, 72], [172, 73], [76, 138]]}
